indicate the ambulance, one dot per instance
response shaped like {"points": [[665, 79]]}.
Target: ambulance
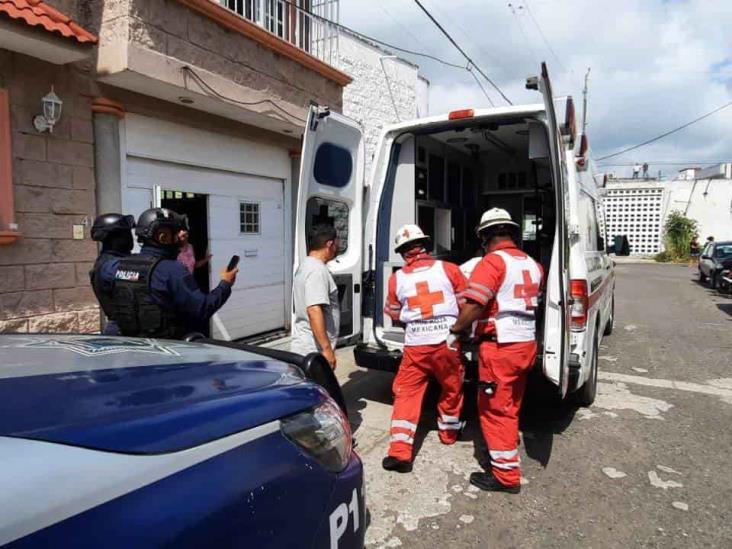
{"points": [[442, 172]]}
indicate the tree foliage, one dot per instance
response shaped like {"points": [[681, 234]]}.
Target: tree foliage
{"points": [[679, 231]]}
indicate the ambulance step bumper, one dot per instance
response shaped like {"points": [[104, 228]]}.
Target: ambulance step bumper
{"points": [[377, 359]]}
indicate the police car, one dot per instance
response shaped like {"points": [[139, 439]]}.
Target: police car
{"points": [[125, 442]]}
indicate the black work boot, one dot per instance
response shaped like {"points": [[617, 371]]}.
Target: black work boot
{"points": [[489, 483], [390, 463]]}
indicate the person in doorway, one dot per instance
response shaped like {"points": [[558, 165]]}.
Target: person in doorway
{"points": [[114, 231], [636, 170], [423, 296], [710, 238], [315, 297], [502, 295], [153, 295], [187, 254]]}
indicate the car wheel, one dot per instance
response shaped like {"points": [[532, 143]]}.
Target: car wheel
{"points": [[702, 277], [610, 321], [585, 395]]}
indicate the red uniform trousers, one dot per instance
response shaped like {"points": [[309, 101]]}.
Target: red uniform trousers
{"points": [[508, 365], [419, 363]]}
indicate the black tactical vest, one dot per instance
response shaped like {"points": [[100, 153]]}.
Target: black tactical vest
{"points": [[134, 309], [104, 298]]}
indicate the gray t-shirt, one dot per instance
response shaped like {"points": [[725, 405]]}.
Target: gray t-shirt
{"points": [[313, 285]]}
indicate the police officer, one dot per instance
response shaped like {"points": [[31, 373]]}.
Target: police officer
{"points": [[114, 231], [502, 296], [153, 294]]}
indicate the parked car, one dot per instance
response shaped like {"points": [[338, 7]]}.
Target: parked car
{"points": [[126, 442], [711, 259], [724, 284]]}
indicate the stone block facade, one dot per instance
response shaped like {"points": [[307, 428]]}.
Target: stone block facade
{"points": [[385, 89], [43, 282]]}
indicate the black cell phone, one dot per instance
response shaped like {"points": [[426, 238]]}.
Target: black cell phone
{"points": [[233, 262]]}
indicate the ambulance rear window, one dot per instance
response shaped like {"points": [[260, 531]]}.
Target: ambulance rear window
{"points": [[333, 165]]}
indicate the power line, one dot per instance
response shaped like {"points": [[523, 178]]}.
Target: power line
{"points": [[207, 87], [465, 55], [372, 39], [482, 88], [543, 36], [366, 37], [666, 134], [406, 30], [667, 163]]}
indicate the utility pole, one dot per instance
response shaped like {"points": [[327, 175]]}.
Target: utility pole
{"points": [[584, 101]]}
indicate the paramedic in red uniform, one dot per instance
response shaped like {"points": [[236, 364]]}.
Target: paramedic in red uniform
{"points": [[502, 296], [423, 296]]}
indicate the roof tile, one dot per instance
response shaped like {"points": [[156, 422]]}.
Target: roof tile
{"points": [[37, 13]]}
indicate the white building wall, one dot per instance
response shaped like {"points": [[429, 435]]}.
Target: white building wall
{"points": [[639, 208], [708, 201], [635, 209], [385, 89]]}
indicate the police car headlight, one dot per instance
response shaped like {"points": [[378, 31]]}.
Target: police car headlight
{"points": [[323, 433]]}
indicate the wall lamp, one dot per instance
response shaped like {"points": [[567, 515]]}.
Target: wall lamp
{"points": [[52, 105]]}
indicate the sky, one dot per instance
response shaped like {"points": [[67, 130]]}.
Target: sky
{"points": [[655, 65]]}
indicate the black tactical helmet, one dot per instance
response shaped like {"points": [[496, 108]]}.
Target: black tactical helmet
{"points": [[108, 224], [150, 221]]}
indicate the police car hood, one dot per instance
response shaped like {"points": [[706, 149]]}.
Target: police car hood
{"points": [[140, 396]]}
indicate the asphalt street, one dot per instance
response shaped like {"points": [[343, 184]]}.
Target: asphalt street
{"points": [[647, 466]]}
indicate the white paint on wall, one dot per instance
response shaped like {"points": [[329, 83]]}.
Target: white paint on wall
{"points": [[385, 89]]}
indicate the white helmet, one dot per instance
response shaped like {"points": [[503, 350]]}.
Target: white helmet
{"points": [[408, 234], [494, 217]]}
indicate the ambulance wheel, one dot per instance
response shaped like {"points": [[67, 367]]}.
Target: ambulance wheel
{"points": [[585, 395], [610, 321]]}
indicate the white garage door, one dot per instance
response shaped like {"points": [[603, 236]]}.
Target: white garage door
{"points": [[257, 303]]}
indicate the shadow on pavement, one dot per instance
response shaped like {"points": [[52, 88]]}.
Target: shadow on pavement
{"points": [[543, 415], [725, 308], [362, 386]]}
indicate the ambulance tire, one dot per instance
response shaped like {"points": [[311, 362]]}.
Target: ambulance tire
{"points": [[610, 321], [585, 395]]}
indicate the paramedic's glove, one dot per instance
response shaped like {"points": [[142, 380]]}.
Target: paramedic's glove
{"points": [[453, 340]]}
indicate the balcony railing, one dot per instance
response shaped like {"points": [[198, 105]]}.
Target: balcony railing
{"points": [[307, 24]]}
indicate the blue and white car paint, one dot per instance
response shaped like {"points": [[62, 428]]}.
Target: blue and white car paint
{"points": [[124, 442]]}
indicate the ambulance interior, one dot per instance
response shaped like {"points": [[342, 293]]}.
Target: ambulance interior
{"points": [[445, 179]]}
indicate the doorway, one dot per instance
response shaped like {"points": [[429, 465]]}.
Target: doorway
{"points": [[195, 207]]}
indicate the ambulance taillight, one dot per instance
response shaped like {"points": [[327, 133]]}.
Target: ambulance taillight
{"points": [[579, 304], [459, 115]]}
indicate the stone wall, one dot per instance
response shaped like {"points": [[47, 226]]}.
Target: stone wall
{"points": [[384, 89], [43, 278]]}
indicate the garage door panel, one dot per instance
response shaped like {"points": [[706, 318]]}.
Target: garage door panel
{"points": [[257, 303], [260, 311]]}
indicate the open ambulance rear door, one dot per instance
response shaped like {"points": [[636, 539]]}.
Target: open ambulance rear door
{"points": [[330, 191], [557, 319]]}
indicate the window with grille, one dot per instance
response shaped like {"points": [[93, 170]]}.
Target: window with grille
{"points": [[249, 218]]}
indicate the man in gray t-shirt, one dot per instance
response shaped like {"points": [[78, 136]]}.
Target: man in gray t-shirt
{"points": [[315, 297]]}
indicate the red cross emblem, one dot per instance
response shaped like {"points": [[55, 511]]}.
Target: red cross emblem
{"points": [[526, 291], [405, 233], [425, 300]]}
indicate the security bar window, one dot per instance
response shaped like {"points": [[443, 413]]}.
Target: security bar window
{"points": [[249, 218]]}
